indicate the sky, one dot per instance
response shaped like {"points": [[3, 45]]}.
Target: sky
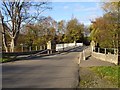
{"points": [[83, 11]]}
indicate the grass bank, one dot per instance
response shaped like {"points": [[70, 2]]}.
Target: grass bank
{"points": [[2, 60], [110, 73]]}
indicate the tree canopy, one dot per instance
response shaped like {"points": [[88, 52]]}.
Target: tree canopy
{"points": [[15, 14], [105, 29]]}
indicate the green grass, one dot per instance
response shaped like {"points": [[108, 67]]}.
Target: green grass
{"points": [[4, 60], [0, 59], [109, 73]]}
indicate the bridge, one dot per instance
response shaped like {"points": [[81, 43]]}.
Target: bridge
{"points": [[54, 71], [60, 70]]}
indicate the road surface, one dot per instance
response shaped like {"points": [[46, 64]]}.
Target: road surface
{"points": [[56, 71]]}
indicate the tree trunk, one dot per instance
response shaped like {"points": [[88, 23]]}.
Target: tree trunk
{"points": [[4, 35], [12, 45], [4, 42]]}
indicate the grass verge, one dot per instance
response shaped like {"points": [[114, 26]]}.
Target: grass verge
{"points": [[3, 60], [110, 73]]}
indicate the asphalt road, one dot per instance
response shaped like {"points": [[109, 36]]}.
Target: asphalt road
{"points": [[56, 71]]}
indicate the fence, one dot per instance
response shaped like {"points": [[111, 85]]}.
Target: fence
{"points": [[23, 48], [0, 48], [106, 50], [106, 54]]}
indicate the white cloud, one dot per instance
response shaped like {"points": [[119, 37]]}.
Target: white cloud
{"points": [[66, 7], [87, 19], [92, 17], [79, 8], [91, 9]]}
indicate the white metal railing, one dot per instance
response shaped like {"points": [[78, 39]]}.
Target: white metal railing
{"points": [[67, 45]]}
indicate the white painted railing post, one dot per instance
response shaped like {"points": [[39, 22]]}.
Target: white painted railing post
{"points": [[116, 51], [36, 48], [22, 48], [48, 51], [40, 47], [105, 51], [30, 48], [63, 46], [44, 47], [98, 50]]}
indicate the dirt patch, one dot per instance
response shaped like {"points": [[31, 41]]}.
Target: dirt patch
{"points": [[89, 79]]}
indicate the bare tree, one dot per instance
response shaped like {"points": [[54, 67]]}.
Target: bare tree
{"points": [[4, 33], [15, 14]]}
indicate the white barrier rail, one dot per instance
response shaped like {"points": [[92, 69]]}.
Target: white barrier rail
{"points": [[66, 45]]}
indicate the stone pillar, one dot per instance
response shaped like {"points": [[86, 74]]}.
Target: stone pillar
{"points": [[49, 46], [92, 45]]}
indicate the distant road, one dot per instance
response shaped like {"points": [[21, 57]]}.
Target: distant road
{"points": [[56, 71]]}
